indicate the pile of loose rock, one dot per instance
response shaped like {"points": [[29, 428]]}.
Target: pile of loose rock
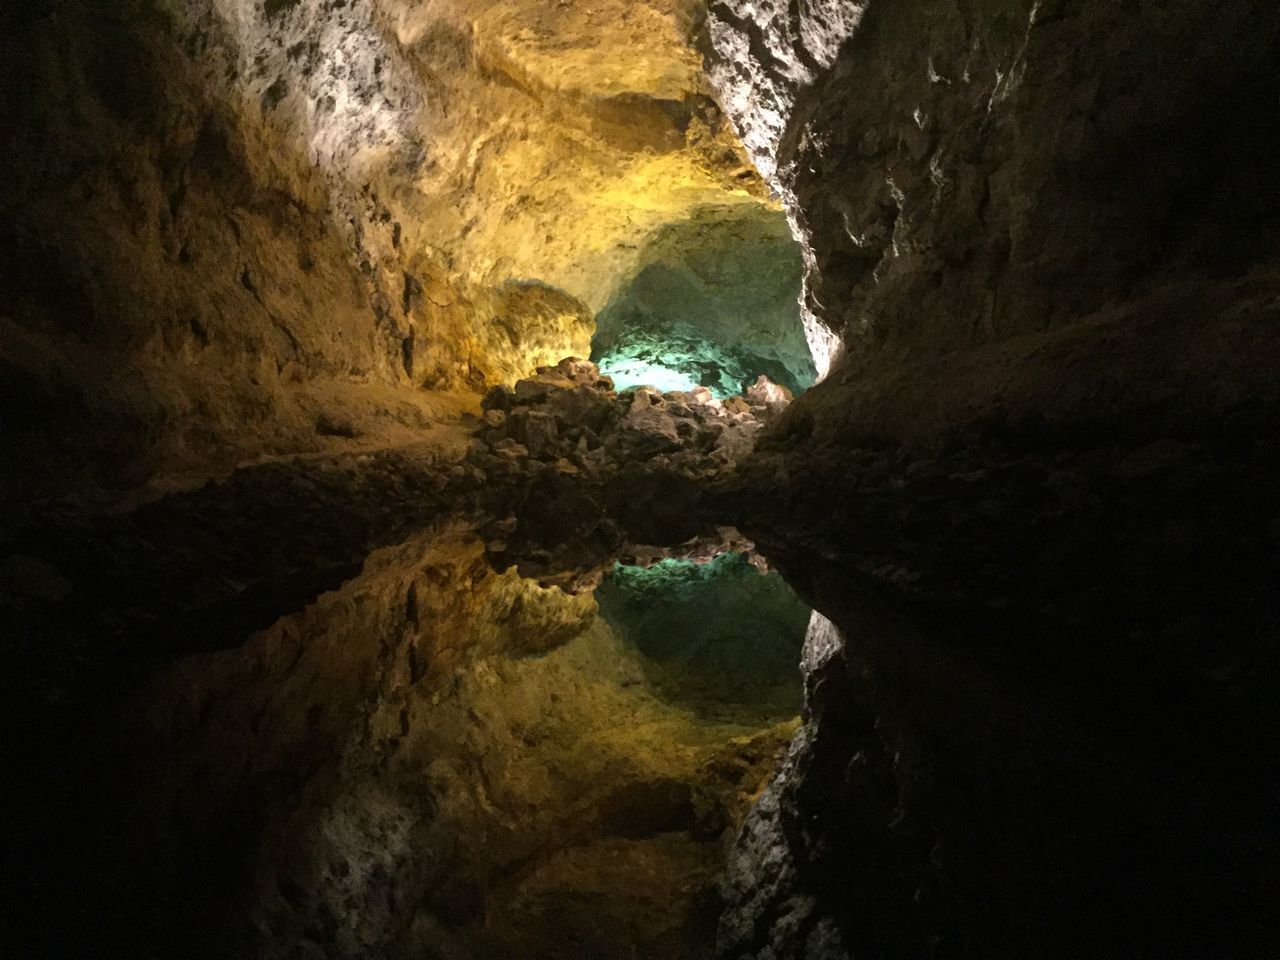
{"points": [[569, 419]]}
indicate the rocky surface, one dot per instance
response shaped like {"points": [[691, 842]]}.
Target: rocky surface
{"points": [[576, 467], [715, 302], [175, 298], [1043, 451], [569, 419], [961, 175], [234, 228]]}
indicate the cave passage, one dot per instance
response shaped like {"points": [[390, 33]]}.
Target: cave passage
{"points": [[401, 400], [714, 303]]}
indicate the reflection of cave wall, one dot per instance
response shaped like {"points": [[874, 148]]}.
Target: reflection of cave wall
{"points": [[718, 637], [435, 760], [716, 302]]}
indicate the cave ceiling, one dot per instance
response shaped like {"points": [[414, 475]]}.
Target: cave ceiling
{"points": [[495, 140]]}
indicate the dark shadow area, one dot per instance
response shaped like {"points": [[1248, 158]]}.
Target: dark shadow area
{"points": [[956, 795]]}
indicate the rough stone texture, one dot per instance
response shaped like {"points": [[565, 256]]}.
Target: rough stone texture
{"points": [[575, 464], [1046, 235], [714, 300], [233, 228], [174, 294], [761, 57], [569, 417], [962, 174]]}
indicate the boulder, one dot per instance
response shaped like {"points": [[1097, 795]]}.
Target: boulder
{"points": [[536, 430], [651, 425], [765, 392], [702, 396]]}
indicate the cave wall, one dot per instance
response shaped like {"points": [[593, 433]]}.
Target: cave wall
{"points": [[965, 173], [1043, 235], [163, 282], [714, 297], [234, 228]]}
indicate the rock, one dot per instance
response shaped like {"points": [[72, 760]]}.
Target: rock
{"points": [[336, 425], [579, 371], [506, 526], [765, 392], [497, 398], [567, 422], [509, 450], [536, 430], [702, 396], [534, 390], [648, 421]]}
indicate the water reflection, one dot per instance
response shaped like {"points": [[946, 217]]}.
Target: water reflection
{"points": [[721, 637], [445, 759], [453, 757]]}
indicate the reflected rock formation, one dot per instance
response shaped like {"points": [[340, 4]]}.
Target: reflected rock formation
{"points": [[428, 428]]}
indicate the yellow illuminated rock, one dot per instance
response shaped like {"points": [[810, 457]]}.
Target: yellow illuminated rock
{"points": [[481, 768], [242, 215]]}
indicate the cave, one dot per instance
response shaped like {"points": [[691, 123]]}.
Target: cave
{"points": [[676, 479], [713, 303]]}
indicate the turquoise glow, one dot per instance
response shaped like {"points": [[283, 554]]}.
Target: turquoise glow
{"points": [[628, 372]]}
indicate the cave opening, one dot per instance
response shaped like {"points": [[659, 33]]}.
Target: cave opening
{"points": [[713, 302]]}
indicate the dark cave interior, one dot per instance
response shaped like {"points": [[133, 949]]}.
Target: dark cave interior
{"points": [[669, 479]]}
